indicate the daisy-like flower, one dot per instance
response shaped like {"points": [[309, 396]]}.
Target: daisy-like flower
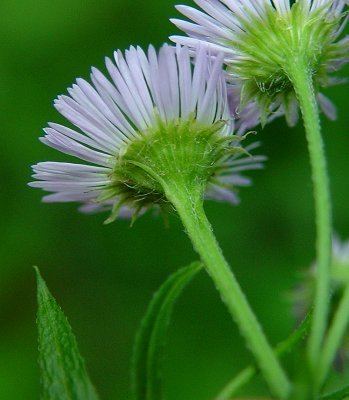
{"points": [[158, 133], [264, 39], [157, 117]]}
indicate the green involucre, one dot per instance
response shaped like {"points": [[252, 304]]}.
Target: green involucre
{"points": [[185, 148], [269, 44]]}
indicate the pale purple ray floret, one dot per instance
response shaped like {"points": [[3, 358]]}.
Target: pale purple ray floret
{"points": [[223, 24], [110, 113]]}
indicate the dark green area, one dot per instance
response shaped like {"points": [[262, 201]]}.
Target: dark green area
{"points": [[104, 276], [150, 344]]}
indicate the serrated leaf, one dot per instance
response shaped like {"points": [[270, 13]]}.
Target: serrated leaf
{"points": [[150, 341], [63, 372]]}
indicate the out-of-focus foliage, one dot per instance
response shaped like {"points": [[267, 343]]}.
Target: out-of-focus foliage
{"points": [[105, 275]]}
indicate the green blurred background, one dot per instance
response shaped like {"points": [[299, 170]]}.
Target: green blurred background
{"points": [[104, 276]]}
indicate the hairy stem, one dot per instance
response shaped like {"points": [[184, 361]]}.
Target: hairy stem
{"points": [[334, 337], [190, 209], [247, 374], [301, 78]]}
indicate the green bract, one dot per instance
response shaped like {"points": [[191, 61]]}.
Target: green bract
{"points": [[272, 45], [184, 151], [263, 41]]}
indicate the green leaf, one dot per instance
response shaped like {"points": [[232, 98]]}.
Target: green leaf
{"points": [[284, 347], [151, 338], [337, 395], [287, 345], [63, 372]]}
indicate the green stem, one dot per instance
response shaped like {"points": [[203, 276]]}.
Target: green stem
{"points": [[190, 208], [334, 337], [340, 394], [238, 382], [246, 375], [301, 78]]}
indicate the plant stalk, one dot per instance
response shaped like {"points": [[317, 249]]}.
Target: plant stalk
{"points": [[284, 347], [334, 338], [190, 209], [301, 77]]}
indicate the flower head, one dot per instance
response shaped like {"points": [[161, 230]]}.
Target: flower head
{"points": [[156, 119], [262, 39]]}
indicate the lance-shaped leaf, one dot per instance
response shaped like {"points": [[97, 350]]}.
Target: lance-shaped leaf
{"points": [[63, 372], [150, 341], [340, 394]]}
